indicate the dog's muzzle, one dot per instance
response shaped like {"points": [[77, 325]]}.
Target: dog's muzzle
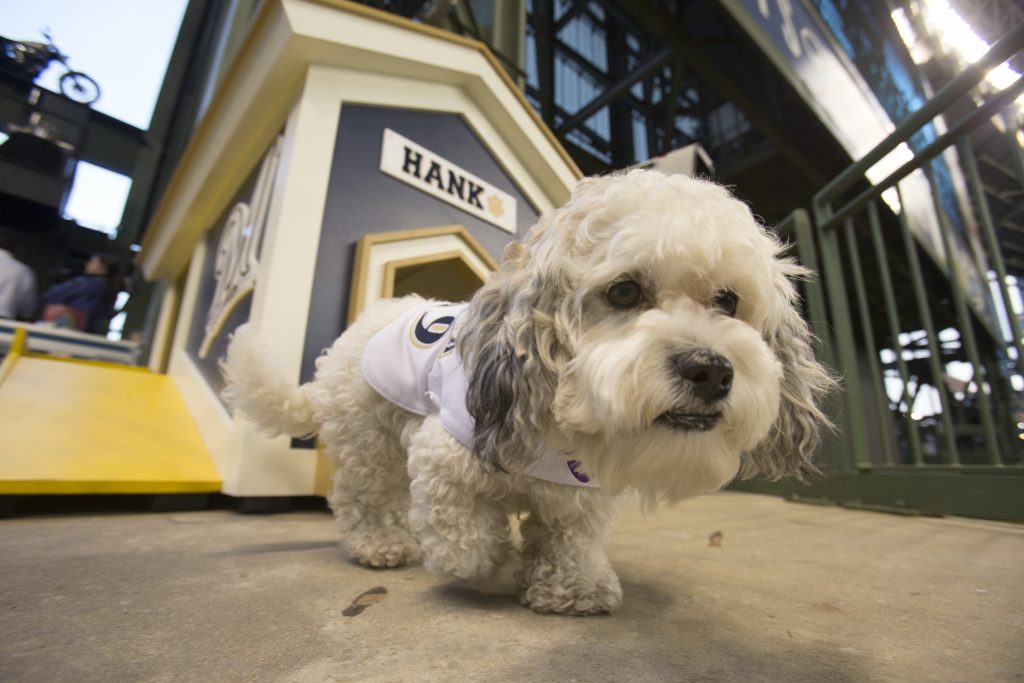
{"points": [[708, 376]]}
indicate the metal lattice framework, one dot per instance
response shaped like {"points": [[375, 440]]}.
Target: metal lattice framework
{"points": [[620, 81], [609, 88]]}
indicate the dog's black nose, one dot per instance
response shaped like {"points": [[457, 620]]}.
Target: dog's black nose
{"points": [[708, 374]]}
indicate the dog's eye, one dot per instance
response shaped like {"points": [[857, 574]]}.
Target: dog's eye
{"points": [[726, 302], [625, 294]]}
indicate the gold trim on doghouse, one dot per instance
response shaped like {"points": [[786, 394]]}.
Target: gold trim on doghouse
{"points": [[361, 270]]}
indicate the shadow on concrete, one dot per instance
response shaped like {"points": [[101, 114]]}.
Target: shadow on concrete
{"points": [[483, 598], [662, 636], [683, 655], [296, 547], [649, 599], [503, 594]]}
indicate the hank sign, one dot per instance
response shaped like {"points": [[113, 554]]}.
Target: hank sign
{"points": [[403, 159]]}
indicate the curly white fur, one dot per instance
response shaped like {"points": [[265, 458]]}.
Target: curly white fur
{"points": [[552, 363]]}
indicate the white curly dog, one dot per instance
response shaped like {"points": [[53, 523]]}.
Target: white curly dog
{"points": [[644, 339]]}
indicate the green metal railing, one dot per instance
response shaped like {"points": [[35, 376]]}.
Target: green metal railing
{"points": [[893, 318]]}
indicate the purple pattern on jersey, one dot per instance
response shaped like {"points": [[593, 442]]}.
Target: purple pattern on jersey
{"points": [[576, 472]]}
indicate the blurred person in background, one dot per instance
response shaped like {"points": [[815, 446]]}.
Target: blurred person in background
{"points": [[17, 281], [86, 301]]}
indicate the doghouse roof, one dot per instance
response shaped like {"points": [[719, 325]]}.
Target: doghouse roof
{"points": [[267, 77]]}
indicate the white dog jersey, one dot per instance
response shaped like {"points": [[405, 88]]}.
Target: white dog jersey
{"points": [[413, 363]]}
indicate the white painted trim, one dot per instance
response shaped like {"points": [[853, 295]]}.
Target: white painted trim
{"points": [[284, 284], [271, 468], [212, 420]]}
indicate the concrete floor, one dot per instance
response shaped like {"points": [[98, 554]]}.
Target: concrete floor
{"points": [[793, 593]]}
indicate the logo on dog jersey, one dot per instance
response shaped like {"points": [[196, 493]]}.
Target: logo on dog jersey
{"points": [[424, 334], [574, 468]]}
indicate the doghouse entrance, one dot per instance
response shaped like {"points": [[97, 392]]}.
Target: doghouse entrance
{"points": [[444, 263], [441, 276]]}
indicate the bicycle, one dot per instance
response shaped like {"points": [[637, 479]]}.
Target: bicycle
{"points": [[26, 60]]}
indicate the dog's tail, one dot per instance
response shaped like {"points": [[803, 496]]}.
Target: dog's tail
{"points": [[259, 388]]}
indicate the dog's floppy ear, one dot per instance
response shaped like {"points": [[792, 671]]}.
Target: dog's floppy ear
{"points": [[795, 436], [509, 348]]}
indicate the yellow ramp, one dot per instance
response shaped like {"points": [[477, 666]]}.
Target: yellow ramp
{"points": [[71, 427]]}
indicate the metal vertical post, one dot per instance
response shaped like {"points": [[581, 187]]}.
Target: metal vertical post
{"points": [[895, 329], [543, 23], [963, 315], [868, 332], [934, 359], [989, 233], [800, 223], [1012, 127], [835, 288], [671, 103], [812, 288]]}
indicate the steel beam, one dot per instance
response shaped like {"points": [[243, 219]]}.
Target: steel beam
{"points": [[616, 91]]}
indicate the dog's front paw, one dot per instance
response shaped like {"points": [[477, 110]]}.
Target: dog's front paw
{"points": [[379, 549], [552, 591], [462, 559], [467, 543]]}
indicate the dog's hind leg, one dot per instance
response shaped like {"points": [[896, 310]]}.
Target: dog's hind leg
{"points": [[370, 494]]}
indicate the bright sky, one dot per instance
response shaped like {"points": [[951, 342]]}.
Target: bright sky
{"points": [[125, 46]]}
